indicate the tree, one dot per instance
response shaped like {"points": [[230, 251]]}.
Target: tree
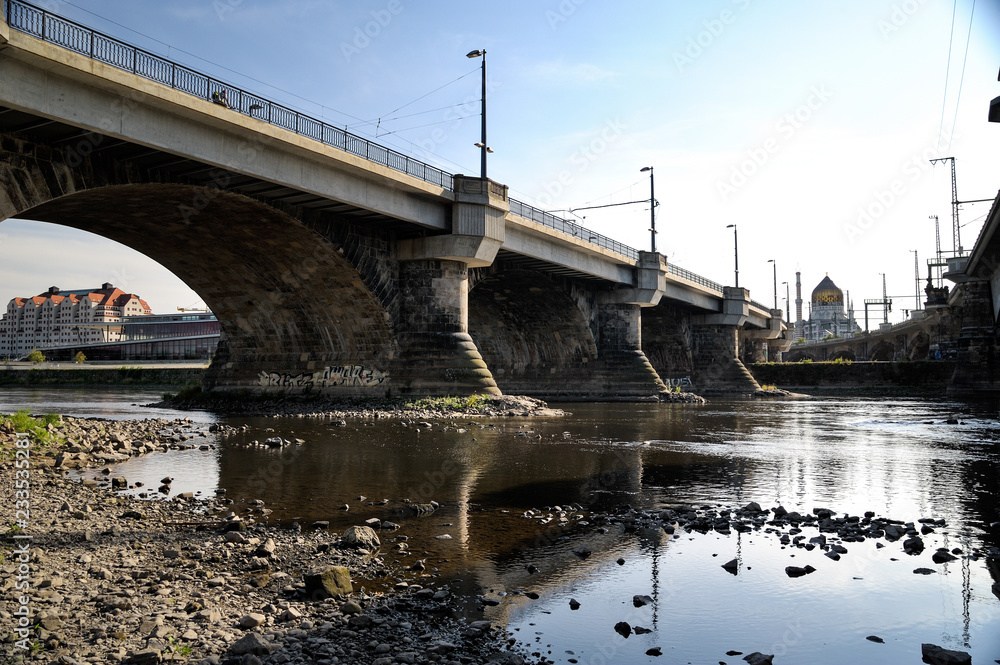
{"points": [[36, 357], [79, 358]]}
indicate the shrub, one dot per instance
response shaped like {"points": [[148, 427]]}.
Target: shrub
{"points": [[79, 358], [36, 357]]}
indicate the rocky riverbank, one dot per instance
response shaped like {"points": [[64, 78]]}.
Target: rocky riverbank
{"points": [[298, 406], [113, 578]]}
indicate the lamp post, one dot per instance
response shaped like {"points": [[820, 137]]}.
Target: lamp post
{"points": [[788, 302], [736, 252], [482, 144], [775, 264], [652, 209]]}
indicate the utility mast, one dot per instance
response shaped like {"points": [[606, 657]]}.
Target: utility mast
{"points": [[956, 239]]}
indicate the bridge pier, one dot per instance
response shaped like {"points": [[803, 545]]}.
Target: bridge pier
{"points": [[715, 347], [978, 349], [437, 356]]}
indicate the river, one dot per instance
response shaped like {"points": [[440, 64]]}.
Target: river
{"points": [[897, 457]]}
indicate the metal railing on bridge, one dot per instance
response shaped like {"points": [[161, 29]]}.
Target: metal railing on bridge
{"points": [[572, 228], [693, 277], [54, 29], [49, 27]]}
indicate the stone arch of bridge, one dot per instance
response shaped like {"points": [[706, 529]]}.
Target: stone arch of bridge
{"points": [[294, 312], [884, 350], [843, 354], [797, 355], [530, 329], [918, 346]]}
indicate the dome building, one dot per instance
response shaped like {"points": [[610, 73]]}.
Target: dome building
{"points": [[830, 313]]}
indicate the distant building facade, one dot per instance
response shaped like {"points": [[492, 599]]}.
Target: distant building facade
{"points": [[60, 318], [830, 313]]}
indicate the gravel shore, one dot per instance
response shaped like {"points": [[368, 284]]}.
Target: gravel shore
{"points": [[114, 578]]}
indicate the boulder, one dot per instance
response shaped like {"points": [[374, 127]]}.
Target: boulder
{"points": [[327, 582], [623, 629], [934, 655], [361, 536], [252, 643], [758, 658]]}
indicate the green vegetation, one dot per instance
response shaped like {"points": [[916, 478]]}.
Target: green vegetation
{"points": [[805, 361], [36, 357], [842, 361], [191, 391], [79, 358], [448, 403], [22, 421]]}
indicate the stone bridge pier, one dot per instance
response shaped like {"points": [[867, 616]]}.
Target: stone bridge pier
{"points": [[715, 347]]}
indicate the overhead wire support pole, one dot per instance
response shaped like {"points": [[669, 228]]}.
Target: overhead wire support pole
{"points": [[956, 236]]}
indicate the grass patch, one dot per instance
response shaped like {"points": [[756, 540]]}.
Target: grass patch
{"points": [[23, 422], [449, 403]]}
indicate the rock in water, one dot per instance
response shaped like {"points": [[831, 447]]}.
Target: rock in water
{"points": [[732, 566], [935, 655], [328, 582], [876, 639], [623, 629], [942, 557], [758, 658], [361, 536], [640, 600], [796, 571]]}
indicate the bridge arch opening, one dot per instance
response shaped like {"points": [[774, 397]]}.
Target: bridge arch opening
{"points": [[883, 351], [294, 311], [919, 347], [844, 354]]}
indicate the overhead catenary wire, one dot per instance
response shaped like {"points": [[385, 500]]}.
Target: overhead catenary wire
{"points": [[947, 70], [961, 79]]}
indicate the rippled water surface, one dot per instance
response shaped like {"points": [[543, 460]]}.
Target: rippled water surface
{"points": [[897, 457]]}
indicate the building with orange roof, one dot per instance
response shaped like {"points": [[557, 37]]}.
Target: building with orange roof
{"points": [[60, 318]]}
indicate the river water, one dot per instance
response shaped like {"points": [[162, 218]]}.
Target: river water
{"points": [[895, 456]]}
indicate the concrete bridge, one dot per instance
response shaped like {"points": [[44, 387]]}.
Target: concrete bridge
{"points": [[335, 264]]}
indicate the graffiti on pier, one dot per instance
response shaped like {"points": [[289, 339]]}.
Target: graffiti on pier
{"points": [[328, 377], [682, 383]]}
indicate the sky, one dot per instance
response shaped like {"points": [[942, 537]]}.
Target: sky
{"points": [[809, 126]]}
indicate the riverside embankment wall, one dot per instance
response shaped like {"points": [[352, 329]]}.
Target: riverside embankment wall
{"points": [[102, 376], [903, 374]]}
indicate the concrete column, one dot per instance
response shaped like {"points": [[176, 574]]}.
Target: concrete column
{"points": [[715, 347], [437, 356]]}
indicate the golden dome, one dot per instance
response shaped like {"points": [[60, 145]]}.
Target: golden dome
{"points": [[827, 293]]}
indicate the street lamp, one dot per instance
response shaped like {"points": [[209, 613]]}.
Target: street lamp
{"points": [[775, 264], [483, 149], [652, 209], [788, 303], [736, 252]]}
